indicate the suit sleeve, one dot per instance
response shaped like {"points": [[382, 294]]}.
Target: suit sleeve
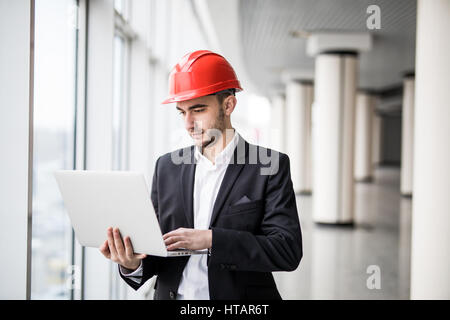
{"points": [[278, 246], [150, 264]]}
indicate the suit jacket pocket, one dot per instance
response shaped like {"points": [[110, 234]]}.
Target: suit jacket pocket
{"points": [[244, 207], [245, 216]]}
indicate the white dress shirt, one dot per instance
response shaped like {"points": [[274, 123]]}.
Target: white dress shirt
{"points": [[208, 179]]}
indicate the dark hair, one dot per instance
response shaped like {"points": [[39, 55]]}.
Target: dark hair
{"points": [[221, 95]]}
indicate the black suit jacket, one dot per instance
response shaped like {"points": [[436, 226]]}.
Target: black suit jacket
{"points": [[249, 239]]}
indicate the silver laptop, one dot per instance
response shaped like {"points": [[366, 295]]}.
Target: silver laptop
{"points": [[96, 200]]}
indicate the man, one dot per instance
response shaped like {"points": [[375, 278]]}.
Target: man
{"points": [[222, 194]]}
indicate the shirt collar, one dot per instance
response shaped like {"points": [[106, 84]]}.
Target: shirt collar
{"points": [[224, 157]]}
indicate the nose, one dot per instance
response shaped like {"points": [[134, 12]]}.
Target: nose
{"points": [[189, 122]]}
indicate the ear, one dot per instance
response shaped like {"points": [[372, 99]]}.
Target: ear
{"points": [[229, 104]]}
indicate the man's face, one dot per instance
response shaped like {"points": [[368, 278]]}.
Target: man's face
{"points": [[201, 116]]}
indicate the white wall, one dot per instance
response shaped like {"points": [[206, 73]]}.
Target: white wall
{"points": [[430, 248], [140, 91], [15, 145], [176, 32]]}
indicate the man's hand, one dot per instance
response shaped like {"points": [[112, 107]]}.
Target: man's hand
{"points": [[120, 251], [191, 239]]}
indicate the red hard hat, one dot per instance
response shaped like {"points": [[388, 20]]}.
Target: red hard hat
{"points": [[198, 74]]}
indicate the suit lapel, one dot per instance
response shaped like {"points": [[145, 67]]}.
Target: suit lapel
{"points": [[231, 174], [187, 178]]}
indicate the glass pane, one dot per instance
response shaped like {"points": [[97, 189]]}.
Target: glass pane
{"points": [[118, 100], [54, 112], [121, 8], [119, 133]]}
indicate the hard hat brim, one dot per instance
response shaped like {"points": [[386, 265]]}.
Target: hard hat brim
{"points": [[193, 94]]}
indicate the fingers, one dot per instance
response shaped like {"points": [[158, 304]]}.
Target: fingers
{"points": [[104, 249], [120, 251], [130, 252], [119, 243], [179, 245], [179, 238], [173, 239], [177, 232], [188, 239], [140, 256], [128, 248], [112, 247]]}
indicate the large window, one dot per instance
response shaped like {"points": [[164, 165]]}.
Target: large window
{"points": [[122, 8], [121, 65], [123, 35], [54, 118], [120, 110]]}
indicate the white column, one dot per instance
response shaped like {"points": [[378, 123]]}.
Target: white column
{"points": [[406, 180], [278, 123], [404, 248], [299, 97], [97, 270], [140, 112], [430, 254], [16, 139], [363, 169], [335, 89]]}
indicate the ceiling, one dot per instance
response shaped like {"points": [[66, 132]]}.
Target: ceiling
{"points": [[269, 49]]}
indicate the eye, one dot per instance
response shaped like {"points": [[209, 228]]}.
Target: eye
{"points": [[181, 113], [199, 110]]}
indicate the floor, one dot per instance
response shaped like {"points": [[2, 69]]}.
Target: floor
{"points": [[368, 261]]}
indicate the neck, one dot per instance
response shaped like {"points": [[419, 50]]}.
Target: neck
{"points": [[225, 138]]}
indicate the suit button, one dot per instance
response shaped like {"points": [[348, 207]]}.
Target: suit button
{"points": [[222, 266], [172, 295], [233, 267]]}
